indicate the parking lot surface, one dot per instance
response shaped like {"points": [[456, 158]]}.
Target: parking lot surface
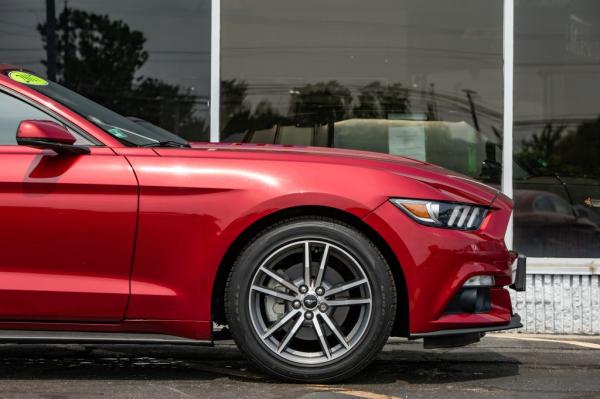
{"points": [[502, 365]]}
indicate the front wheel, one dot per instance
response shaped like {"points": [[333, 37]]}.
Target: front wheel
{"points": [[311, 299]]}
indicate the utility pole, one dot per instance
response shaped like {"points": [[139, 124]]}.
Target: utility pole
{"points": [[472, 107], [51, 40]]}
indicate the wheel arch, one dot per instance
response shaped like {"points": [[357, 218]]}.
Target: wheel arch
{"points": [[218, 293]]}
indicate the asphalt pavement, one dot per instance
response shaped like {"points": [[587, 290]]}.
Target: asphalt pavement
{"points": [[501, 366]]}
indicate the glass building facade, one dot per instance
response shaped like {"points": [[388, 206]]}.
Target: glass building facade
{"points": [[147, 59], [557, 128], [424, 79]]}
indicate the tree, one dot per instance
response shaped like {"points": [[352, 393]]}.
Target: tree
{"points": [[96, 56], [572, 153], [164, 104], [265, 116], [320, 103], [235, 113], [579, 151], [99, 58], [378, 101], [540, 151]]}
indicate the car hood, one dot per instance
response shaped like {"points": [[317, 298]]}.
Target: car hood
{"points": [[455, 185], [293, 149]]}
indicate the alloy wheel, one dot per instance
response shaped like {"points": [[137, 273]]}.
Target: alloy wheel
{"points": [[310, 302]]}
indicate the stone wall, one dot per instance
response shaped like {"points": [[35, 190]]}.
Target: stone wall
{"points": [[556, 302]]}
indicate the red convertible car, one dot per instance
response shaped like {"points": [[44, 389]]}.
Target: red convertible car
{"points": [[309, 258]]}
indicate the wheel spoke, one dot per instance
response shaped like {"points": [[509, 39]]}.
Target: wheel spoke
{"points": [[274, 293], [334, 328], [324, 344], [322, 266], [290, 335], [310, 302], [279, 324], [307, 263], [345, 287], [279, 279], [348, 302]]}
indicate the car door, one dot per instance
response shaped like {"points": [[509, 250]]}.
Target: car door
{"points": [[67, 227]]}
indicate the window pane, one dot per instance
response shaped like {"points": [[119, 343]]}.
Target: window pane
{"points": [[557, 128], [13, 111], [148, 59], [415, 78]]}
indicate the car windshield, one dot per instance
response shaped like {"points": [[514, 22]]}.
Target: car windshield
{"points": [[130, 131]]}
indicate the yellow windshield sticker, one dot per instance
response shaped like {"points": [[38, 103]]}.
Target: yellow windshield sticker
{"points": [[27, 78]]}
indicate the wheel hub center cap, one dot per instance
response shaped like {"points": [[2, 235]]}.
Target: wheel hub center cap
{"points": [[310, 301]]}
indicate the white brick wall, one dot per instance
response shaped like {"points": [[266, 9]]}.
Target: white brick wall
{"points": [[559, 303]]}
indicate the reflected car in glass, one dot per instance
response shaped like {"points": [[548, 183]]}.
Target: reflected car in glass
{"points": [[310, 258], [549, 225]]}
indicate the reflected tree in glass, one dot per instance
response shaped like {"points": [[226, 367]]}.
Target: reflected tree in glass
{"points": [[378, 101], [320, 103], [100, 58]]}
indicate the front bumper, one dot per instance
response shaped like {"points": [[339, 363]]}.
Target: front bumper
{"points": [[437, 262], [515, 322], [462, 337]]}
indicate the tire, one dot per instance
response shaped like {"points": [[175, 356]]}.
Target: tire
{"points": [[355, 296]]}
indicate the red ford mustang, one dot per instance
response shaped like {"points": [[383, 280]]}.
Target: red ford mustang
{"points": [[114, 231]]}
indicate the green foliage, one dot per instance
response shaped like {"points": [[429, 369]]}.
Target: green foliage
{"points": [[565, 152]]}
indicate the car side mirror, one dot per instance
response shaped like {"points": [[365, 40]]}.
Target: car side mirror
{"points": [[48, 135]]}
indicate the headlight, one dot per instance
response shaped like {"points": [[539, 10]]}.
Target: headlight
{"points": [[443, 214]]}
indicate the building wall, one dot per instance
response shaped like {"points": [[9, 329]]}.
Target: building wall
{"points": [[560, 301]]}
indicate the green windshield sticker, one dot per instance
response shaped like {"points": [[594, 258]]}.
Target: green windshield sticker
{"points": [[27, 78], [118, 133]]}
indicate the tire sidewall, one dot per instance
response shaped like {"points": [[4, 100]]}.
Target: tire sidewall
{"points": [[375, 268]]}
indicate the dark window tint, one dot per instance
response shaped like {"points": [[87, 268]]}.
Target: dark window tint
{"points": [[557, 127], [13, 111], [130, 131], [414, 78]]}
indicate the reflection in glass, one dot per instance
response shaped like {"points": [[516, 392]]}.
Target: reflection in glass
{"points": [[557, 128], [141, 58], [414, 78]]}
